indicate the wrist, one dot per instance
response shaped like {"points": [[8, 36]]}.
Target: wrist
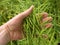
{"points": [[4, 35]]}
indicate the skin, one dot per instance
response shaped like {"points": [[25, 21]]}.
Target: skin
{"points": [[13, 30]]}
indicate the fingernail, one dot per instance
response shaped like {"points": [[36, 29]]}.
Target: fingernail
{"points": [[49, 19], [48, 25]]}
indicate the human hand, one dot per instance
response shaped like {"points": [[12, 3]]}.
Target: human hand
{"points": [[15, 25]]}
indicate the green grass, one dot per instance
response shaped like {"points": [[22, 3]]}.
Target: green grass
{"points": [[32, 26]]}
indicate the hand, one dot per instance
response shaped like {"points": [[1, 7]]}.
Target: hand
{"points": [[14, 26]]}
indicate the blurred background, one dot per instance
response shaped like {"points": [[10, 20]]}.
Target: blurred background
{"points": [[10, 8]]}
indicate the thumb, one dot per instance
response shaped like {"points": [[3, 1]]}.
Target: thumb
{"points": [[18, 18], [26, 13], [22, 15]]}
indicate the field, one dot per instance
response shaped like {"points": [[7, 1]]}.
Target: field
{"points": [[35, 35]]}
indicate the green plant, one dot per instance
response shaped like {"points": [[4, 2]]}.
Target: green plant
{"points": [[35, 35]]}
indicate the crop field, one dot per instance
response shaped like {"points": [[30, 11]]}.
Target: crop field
{"points": [[35, 33]]}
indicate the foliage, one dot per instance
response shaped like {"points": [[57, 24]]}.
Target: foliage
{"points": [[34, 34]]}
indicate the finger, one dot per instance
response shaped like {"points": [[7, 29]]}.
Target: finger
{"points": [[15, 22], [47, 19], [22, 15], [18, 19], [25, 13], [48, 25], [44, 14]]}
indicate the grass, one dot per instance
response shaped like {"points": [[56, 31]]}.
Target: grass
{"points": [[35, 35]]}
